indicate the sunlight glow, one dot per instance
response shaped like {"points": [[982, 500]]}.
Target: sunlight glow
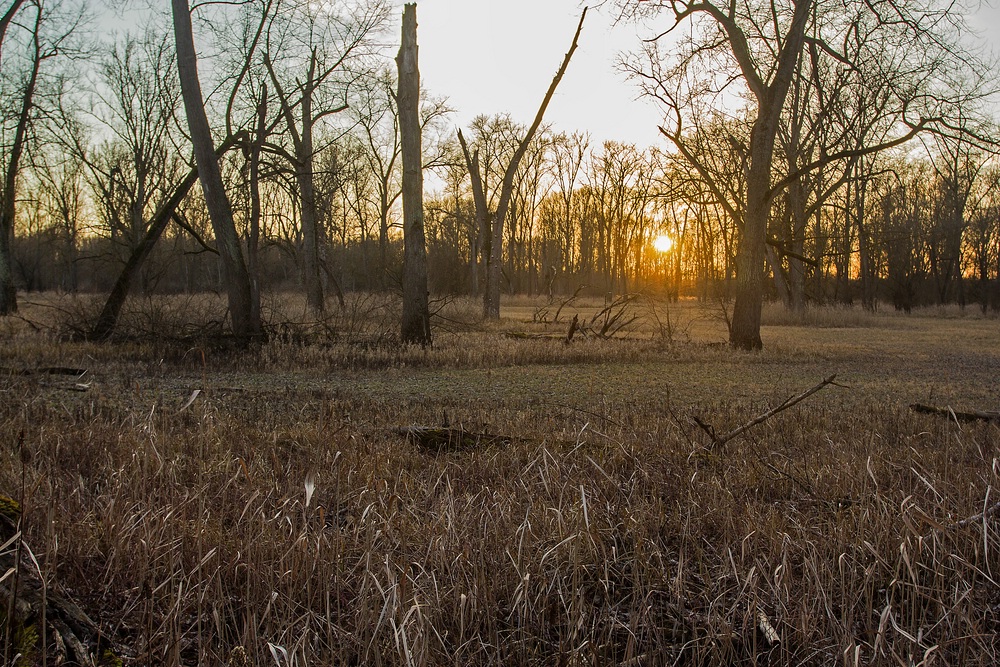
{"points": [[663, 243]]}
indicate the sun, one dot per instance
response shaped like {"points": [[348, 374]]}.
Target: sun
{"points": [[663, 243]]}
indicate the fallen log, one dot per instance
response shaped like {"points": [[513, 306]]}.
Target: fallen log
{"points": [[961, 416], [35, 612], [46, 370], [448, 438]]}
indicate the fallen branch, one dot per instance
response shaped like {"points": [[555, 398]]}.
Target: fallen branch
{"points": [[719, 440], [523, 335], [988, 512], [614, 317], [46, 370], [967, 416]]}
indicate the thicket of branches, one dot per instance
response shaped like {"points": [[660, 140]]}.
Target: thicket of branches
{"points": [[301, 98]]}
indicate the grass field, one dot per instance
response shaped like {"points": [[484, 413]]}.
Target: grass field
{"points": [[279, 519]]}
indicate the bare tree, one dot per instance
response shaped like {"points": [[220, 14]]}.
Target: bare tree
{"points": [[491, 296], [134, 167], [755, 48], [48, 30], [334, 50], [61, 192], [234, 270], [416, 325]]}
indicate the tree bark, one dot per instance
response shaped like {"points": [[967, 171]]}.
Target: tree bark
{"points": [[235, 277], [416, 325]]}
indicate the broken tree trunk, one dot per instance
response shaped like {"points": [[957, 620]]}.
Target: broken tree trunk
{"points": [[416, 322]]}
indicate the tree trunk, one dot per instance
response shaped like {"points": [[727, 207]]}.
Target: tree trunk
{"points": [[307, 190], [253, 236], [108, 319], [744, 332], [8, 207], [796, 267], [235, 278], [482, 236], [491, 296], [416, 325]]}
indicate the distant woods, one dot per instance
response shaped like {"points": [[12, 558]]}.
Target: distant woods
{"points": [[870, 189]]}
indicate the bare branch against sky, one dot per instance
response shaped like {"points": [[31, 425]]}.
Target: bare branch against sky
{"points": [[491, 57]]}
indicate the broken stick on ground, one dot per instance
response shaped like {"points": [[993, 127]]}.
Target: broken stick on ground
{"points": [[719, 440]]}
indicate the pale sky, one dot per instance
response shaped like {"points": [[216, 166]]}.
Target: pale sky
{"points": [[491, 56], [495, 56]]}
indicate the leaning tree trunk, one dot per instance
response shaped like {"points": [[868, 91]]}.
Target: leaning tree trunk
{"points": [[108, 319], [416, 325], [235, 277]]}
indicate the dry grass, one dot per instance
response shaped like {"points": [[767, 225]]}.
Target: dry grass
{"points": [[610, 534]]}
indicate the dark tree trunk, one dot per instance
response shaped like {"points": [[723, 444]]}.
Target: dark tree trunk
{"points": [[235, 278], [482, 239], [253, 237], [307, 191], [8, 207], [796, 267], [744, 332], [7, 17], [416, 326]]}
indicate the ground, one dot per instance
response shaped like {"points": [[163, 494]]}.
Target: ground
{"points": [[279, 516]]}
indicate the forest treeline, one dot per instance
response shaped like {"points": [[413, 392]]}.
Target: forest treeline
{"points": [[870, 200]]}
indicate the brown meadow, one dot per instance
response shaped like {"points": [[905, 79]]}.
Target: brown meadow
{"points": [[278, 519]]}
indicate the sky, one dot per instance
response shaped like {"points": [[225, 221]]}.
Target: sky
{"points": [[494, 56]]}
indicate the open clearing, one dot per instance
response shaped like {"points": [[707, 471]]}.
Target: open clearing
{"points": [[606, 529]]}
